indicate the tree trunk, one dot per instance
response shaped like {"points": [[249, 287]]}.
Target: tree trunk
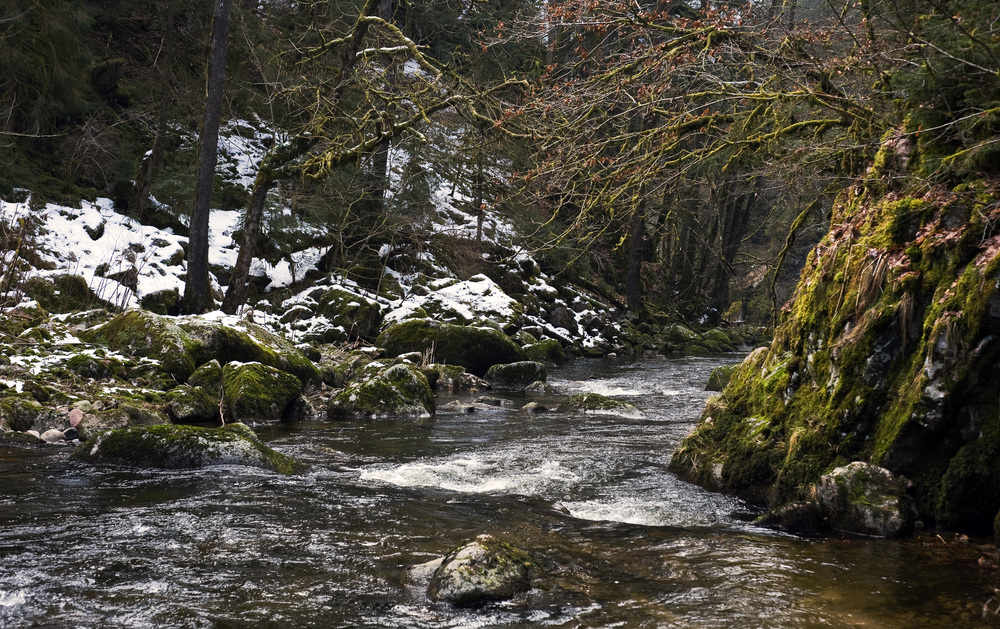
{"points": [[197, 292], [237, 291], [636, 245], [153, 159]]}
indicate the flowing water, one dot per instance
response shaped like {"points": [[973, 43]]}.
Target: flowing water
{"points": [[622, 541]]}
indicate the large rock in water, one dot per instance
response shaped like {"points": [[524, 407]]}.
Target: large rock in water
{"points": [[866, 499], [184, 447], [483, 570], [516, 375], [399, 391], [887, 353], [476, 349]]}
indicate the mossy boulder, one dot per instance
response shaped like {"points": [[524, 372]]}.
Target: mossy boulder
{"points": [[598, 404], [866, 499], [162, 302], [98, 368], [62, 293], [250, 343], [475, 348], [144, 334], [484, 570], [183, 447], [258, 392], [548, 351], [399, 391], [98, 422], [345, 369], [181, 345], [455, 378], [188, 404], [359, 316], [720, 377], [23, 413], [515, 375], [886, 354], [208, 377]]}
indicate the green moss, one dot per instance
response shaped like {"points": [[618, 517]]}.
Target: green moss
{"points": [[63, 293], [21, 413], [477, 349], [182, 447], [598, 404], [140, 333], [547, 351], [515, 375], [399, 391], [257, 392]]}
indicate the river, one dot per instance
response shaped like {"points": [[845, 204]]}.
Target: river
{"points": [[622, 541]]}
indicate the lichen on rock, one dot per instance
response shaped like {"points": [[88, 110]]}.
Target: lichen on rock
{"points": [[486, 569]]}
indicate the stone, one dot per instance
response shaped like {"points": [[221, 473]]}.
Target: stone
{"points": [[534, 407], [866, 499], [719, 378], [102, 421], [598, 404], [515, 376], [188, 404], [475, 348], [52, 436], [483, 570], [183, 447], [70, 434], [548, 351], [398, 391], [75, 415], [257, 392], [539, 388]]}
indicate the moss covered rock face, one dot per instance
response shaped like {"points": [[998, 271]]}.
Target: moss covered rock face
{"points": [[887, 354], [143, 334], [549, 351], [358, 316], [188, 404], [22, 413], [476, 349], [483, 570], [399, 391], [256, 392], [183, 447], [181, 345], [516, 375]]}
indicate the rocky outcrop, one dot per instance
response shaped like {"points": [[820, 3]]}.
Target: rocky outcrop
{"points": [[483, 570], [475, 348], [183, 447], [182, 345], [887, 354]]}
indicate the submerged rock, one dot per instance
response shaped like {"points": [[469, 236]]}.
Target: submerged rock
{"points": [[184, 447], [483, 570], [399, 391], [600, 405]]}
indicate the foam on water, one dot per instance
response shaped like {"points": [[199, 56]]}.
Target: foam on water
{"points": [[11, 599], [495, 473]]}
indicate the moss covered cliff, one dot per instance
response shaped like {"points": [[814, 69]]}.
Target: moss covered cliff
{"points": [[888, 353]]}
